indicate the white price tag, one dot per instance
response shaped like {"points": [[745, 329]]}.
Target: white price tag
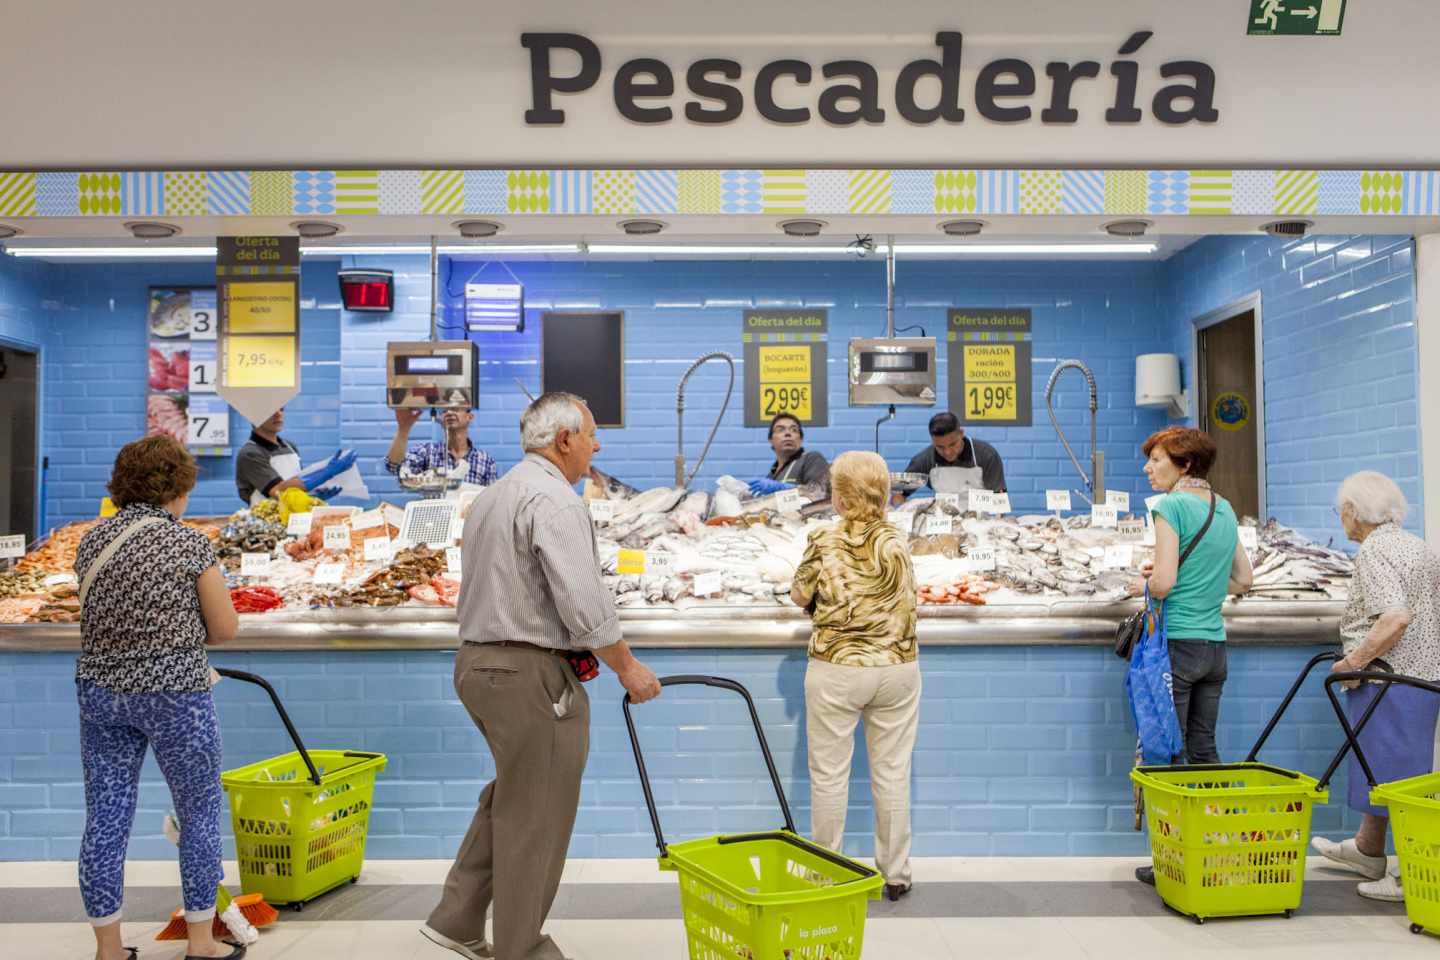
{"points": [[660, 562], [982, 501], [378, 548], [1118, 556], [938, 525], [952, 499], [12, 547], [394, 516], [1150, 502], [1103, 515], [329, 573], [337, 536], [298, 525], [1057, 499], [788, 501], [204, 367], [457, 528], [980, 559], [203, 320], [1130, 528], [452, 560], [602, 511], [707, 584], [1148, 539], [366, 520], [207, 421], [901, 520], [1000, 502], [1250, 539], [254, 564], [1118, 499]]}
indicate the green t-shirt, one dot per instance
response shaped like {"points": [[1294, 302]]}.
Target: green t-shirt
{"points": [[1192, 611]]}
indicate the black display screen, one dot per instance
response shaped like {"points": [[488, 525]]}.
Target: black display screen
{"points": [[916, 362]]}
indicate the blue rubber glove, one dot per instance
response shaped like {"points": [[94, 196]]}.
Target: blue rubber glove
{"points": [[325, 493], [321, 472], [764, 486]]}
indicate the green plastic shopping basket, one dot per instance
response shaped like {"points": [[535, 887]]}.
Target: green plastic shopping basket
{"points": [[300, 819], [1414, 812], [762, 896], [1229, 839]]}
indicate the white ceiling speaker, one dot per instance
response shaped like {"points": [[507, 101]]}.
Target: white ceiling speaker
{"points": [[962, 228], [315, 229], [7, 231], [477, 229], [151, 230], [1127, 228], [642, 228], [802, 227], [1288, 228]]}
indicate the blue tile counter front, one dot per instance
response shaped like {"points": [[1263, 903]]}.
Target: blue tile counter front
{"points": [[1021, 751]]}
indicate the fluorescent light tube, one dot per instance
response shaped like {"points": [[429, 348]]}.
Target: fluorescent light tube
{"points": [[1023, 249], [670, 249], [90, 253]]}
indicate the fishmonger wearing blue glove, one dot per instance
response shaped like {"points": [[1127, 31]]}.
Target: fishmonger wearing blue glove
{"points": [[268, 465], [794, 465]]}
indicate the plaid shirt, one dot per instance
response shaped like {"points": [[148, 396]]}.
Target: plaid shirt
{"points": [[480, 466]]}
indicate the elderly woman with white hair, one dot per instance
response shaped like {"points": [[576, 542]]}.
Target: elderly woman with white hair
{"points": [[1394, 613], [857, 580]]}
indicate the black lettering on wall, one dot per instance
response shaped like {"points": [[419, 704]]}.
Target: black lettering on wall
{"points": [[543, 84], [865, 94], [947, 71], [989, 89], [765, 90], [1062, 80], [629, 89], [732, 101], [1127, 78], [1200, 93]]}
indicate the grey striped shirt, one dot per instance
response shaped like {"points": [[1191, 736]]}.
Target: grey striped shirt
{"points": [[529, 566]]}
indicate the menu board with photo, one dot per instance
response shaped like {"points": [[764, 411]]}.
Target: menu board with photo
{"points": [[181, 323]]}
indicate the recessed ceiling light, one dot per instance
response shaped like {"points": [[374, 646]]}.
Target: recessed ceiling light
{"points": [[802, 227], [477, 229], [1127, 228], [962, 228], [7, 231], [315, 229], [151, 230], [1288, 228], [642, 228]]}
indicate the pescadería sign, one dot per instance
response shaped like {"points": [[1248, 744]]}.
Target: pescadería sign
{"points": [[926, 90]]}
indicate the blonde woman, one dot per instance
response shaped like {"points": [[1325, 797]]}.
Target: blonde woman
{"points": [[857, 581]]}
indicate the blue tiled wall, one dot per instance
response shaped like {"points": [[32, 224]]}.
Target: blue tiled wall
{"points": [[1338, 315], [1102, 313], [1021, 751]]}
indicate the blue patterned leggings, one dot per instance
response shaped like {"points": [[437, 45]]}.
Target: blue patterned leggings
{"points": [[115, 729]]}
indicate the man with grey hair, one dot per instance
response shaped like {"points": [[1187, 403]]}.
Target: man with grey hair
{"points": [[529, 595]]}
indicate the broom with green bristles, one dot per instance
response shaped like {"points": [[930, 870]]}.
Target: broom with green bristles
{"points": [[236, 917]]}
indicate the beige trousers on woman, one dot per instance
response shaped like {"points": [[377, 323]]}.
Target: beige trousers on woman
{"points": [[887, 699]]}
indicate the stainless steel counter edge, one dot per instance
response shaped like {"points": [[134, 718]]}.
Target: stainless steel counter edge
{"points": [[1066, 623]]}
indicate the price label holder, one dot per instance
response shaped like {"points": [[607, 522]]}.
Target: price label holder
{"points": [[707, 584], [254, 564], [329, 573], [299, 524], [1118, 499], [982, 501], [378, 548], [1057, 500], [1130, 528], [452, 560], [789, 501], [1103, 515], [661, 563], [630, 561], [1118, 556], [1249, 539], [1000, 502], [948, 499], [337, 536], [939, 525], [12, 546], [601, 511], [980, 559], [366, 520], [785, 380]]}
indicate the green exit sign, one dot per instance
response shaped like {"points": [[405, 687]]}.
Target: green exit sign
{"points": [[1296, 18]]}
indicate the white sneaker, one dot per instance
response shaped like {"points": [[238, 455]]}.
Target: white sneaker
{"points": [[472, 949], [1346, 854], [1387, 888]]}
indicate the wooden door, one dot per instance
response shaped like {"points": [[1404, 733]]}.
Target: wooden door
{"points": [[1229, 411]]}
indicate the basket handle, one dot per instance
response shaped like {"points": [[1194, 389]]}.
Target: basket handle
{"points": [[1352, 734], [759, 733], [1285, 704], [263, 684]]}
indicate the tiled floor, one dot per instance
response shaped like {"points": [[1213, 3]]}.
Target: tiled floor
{"points": [[1003, 908]]}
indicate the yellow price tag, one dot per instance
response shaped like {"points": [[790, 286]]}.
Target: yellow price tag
{"points": [[785, 381], [990, 401], [631, 561], [107, 507], [260, 306], [989, 364], [260, 362]]}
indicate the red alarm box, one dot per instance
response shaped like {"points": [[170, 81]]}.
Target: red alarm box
{"points": [[367, 290]]}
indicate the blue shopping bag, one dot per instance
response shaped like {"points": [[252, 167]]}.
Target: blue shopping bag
{"points": [[1148, 685]]}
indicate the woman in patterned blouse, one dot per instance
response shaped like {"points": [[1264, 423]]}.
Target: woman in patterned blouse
{"points": [[151, 598], [1393, 613], [857, 581]]}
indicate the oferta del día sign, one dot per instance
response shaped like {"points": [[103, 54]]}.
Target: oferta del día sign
{"points": [[1006, 90]]}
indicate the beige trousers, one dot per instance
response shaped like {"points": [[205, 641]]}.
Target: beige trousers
{"points": [[515, 849], [888, 700]]}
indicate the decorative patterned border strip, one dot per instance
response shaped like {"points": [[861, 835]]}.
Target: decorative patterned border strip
{"points": [[725, 192]]}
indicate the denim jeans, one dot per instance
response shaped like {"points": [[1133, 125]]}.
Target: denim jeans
{"points": [[1197, 672]]}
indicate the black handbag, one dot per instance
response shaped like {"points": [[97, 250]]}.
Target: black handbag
{"points": [[1132, 628]]}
